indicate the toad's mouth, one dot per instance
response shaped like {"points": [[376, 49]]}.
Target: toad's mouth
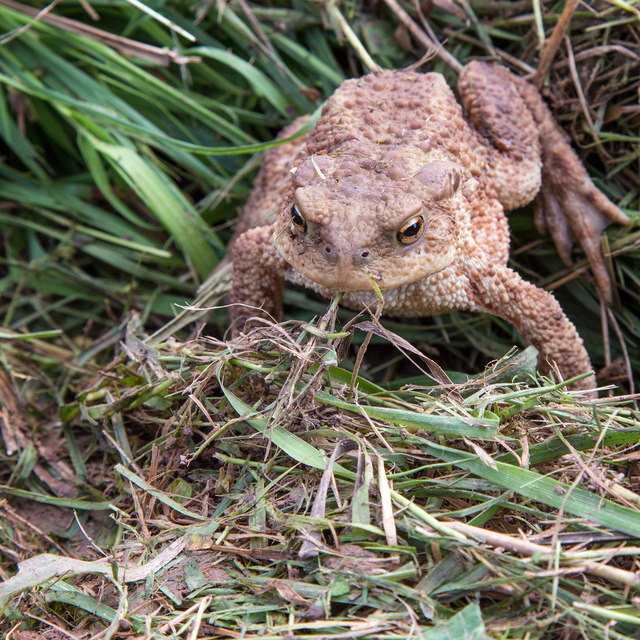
{"points": [[349, 282], [344, 277], [348, 268]]}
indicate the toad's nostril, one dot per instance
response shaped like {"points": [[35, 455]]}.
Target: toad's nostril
{"points": [[330, 254], [361, 256]]}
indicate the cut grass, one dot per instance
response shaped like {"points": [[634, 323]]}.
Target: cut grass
{"points": [[216, 513], [183, 486]]}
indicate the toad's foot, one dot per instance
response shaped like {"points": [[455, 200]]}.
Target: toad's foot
{"points": [[571, 208], [569, 205]]}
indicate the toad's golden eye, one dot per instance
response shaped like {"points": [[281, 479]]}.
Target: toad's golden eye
{"points": [[411, 231], [298, 221]]}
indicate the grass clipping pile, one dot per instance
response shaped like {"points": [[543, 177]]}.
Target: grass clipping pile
{"points": [[257, 489]]}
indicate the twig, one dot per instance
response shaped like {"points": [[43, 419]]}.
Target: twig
{"points": [[526, 548], [336, 15], [421, 36], [627, 360], [553, 43], [578, 86]]}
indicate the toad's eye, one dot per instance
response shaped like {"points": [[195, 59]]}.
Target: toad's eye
{"points": [[411, 231], [298, 221]]}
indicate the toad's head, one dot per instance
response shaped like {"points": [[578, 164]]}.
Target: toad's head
{"points": [[352, 220]]}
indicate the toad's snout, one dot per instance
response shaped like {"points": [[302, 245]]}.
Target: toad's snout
{"points": [[345, 259]]}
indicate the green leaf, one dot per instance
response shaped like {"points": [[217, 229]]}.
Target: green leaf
{"points": [[465, 625]]}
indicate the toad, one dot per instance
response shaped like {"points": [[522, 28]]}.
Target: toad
{"points": [[399, 188]]}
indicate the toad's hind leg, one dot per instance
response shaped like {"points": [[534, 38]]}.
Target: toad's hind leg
{"points": [[489, 227], [529, 155], [569, 205], [509, 133]]}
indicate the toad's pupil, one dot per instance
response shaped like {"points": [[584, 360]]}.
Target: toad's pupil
{"points": [[297, 219], [413, 230]]}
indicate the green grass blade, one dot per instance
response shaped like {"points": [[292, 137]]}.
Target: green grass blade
{"points": [[484, 428], [173, 210], [290, 443], [535, 486], [158, 495], [259, 82]]}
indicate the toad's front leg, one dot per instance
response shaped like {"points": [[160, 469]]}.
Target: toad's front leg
{"points": [[496, 289], [257, 282]]}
